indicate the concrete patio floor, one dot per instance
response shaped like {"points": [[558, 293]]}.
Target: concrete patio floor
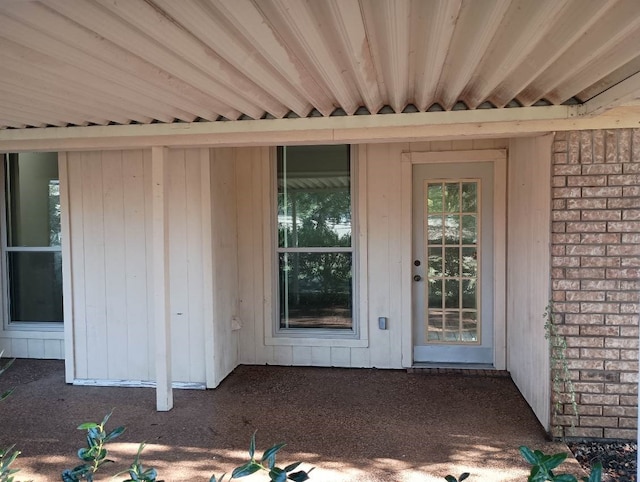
{"points": [[352, 425]]}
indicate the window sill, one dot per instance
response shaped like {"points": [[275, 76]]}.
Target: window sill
{"points": [[304, 341], [49, 331]]}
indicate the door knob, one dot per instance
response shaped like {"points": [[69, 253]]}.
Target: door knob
{"points": [[417, 278]]}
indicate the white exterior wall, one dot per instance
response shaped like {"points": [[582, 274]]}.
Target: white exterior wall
{"points": [[378, 192], [528, 270], [110, 245]]}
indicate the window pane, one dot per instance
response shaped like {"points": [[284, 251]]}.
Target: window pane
{"points": [[35, 285], [33, 207], [314, 196], [315, 290]]}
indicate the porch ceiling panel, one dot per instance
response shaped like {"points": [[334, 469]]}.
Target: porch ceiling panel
{"points": [[101, 62]]}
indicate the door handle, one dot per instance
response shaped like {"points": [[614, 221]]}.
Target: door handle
{"points": [[417, 278]]}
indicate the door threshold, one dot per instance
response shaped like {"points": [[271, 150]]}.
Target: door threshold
{"points": [[475, 369]]}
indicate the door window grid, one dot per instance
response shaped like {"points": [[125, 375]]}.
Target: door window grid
{"points": [[452, 237]]}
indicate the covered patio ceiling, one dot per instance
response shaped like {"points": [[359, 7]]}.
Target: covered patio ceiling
{"points": [[138, 62]]}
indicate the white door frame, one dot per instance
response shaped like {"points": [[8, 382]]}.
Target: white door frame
{"points": [[499, 159]]}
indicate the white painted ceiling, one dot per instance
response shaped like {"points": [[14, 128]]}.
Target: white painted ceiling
{"points": [[101, 62]]}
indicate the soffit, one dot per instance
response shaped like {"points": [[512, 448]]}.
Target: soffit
{"points": [[106, 62]]}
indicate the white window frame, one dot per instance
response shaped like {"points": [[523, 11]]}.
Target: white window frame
{"points": [[42, 327], [321, 337]]}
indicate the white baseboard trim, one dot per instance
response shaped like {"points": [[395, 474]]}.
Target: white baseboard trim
{"points": [[90, 382]]}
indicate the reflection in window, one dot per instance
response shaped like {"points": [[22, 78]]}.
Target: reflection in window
{"points": [[315, 253], [32, 251], [452, 247]]}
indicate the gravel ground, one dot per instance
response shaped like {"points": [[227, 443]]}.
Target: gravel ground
{"points": [[618, 459]]}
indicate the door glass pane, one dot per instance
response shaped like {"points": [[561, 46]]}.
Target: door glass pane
{"points": [[33, 204], [314, 197], [452, 246], [35, 280], [315, 290]]}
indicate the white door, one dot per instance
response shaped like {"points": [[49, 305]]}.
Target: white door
{"points": [[453, 263]]}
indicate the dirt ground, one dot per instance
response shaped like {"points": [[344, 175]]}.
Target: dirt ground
{"points": [[350, 424]]}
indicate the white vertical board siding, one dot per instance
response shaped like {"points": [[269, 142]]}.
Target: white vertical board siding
{"points": [[528, 276], [378, 191], [110, 217], [224, 248]]}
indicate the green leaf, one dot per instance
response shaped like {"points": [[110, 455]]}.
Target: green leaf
{"points": [[85, 454], [450, 478], [277, 475], [87, 426], [252, 446], [299, 476], [68, 476], [269, 455], [213, 478], [463, 476], [106, 418], [244, 470], [552, 461], [528, 455], [291, 467], [565, 478], [115, 433], [596, 473]]}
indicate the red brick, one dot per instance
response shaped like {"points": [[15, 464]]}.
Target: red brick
{"points": [[629, 377], [631, 214], [620, 433], [624, 145], [575, 192], [599, 354], [566, 215], [624, 296], [630, 191], [585, 296], [565, 261], [559, 204], [588, 227], [587, 203], [622, 320], [628, 423], [586, 147], [560, 158], [622, 203], [630, 308], [616, 191], [562, 238], [599, 307], [600, 284], [631, 168], [627, 400], [558, 181], [585, 319], [635, 143], [632, 262], [591, 181], [565, 330], [567, 307], [584, 409], [563, 169], [632, 331], [588, 421], [601, 169], [598, 215], [617, 342], [611, 146], [621, 365], [619, 411], [588, 387], [558, 227], [621, 388], [598, 146], [581, 432], [566, 284], [599, 375], [600, 330], [623, 273], [586, 341], [599, 262], [593, 399], [628, 355], [630, 238], [621, 250], [619, 226], [595, 238], [630, 285], [558, 296], [573, 148], [586, 364], [585, 250], [624, 180]]}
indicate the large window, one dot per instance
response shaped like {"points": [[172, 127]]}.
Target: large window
{"points": [[315, 247], [32, 252]]}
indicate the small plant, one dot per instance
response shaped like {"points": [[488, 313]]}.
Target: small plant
{"points": [[544, 465], [268, 464], [94, 455], [7, 457], [561, 381], [137, 472], [463, 476]]}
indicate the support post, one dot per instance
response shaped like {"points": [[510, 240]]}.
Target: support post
{"points": [[160, 246]]}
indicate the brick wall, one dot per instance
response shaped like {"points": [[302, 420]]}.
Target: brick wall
{"points": [[595, 277]]}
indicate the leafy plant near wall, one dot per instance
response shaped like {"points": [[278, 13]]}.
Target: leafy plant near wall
{"points": [[561, 376]]}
